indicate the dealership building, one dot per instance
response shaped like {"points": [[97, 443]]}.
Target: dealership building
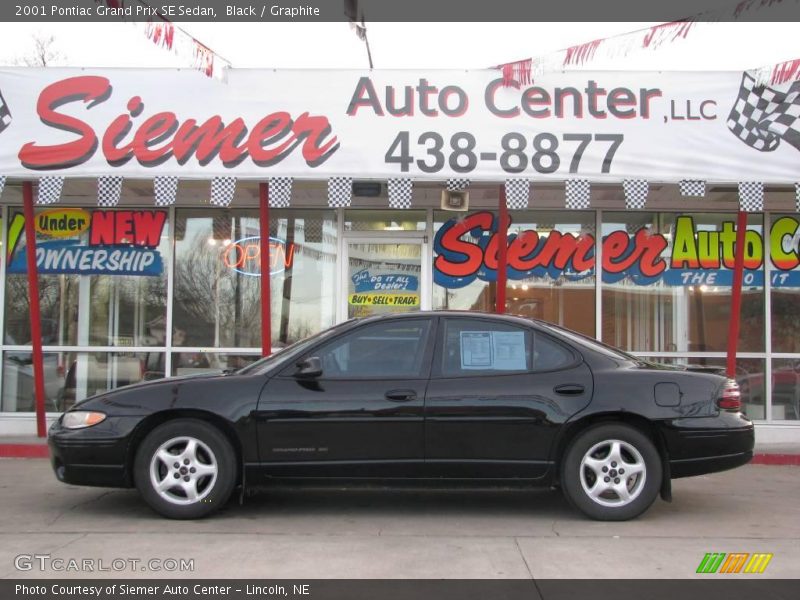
{"points": [[162, 202]]}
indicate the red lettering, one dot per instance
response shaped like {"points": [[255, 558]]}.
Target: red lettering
{"points": [[523, 245], [154, 130], [102, 228], [315, 130], [140, 227], [92, 91], [614, 246], [124, 229], [270, 129], [148, 225], [470, 256], [650, 262], [162, 136]]}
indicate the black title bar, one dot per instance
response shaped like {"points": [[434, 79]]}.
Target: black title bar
{"points": [[102, 11]]}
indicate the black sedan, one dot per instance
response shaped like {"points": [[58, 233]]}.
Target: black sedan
{"points": [[429, 397]]}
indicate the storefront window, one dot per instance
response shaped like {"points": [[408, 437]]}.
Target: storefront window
{"points": [[190, 363], [786, 389], [462, 277], [667, 282], [217, 286], [102, 277], [72, 376], [303, 248], [785, 279], [551, 268]]}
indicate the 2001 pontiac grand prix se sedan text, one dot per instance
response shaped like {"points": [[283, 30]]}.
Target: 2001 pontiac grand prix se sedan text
{"points": [[435, 396]]}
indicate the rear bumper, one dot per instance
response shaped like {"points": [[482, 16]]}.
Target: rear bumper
{"points": [[696, 446], [689, 467]]}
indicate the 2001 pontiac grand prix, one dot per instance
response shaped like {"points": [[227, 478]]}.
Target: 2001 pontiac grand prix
{"points": [[434, 396]]}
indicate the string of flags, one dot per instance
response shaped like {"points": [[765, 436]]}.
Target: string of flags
{"points": [[649, 39], [578, 193], [170, 37], [518, 192]]}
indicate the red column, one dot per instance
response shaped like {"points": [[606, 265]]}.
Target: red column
{"points": [[502, 248], [266, 304], [736, 293], [36, 321]]}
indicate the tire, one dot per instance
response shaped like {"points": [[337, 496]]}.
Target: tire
{"points": [[194, 493], [598, 448]]}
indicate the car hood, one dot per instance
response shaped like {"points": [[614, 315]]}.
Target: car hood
{"points": [[151, 383]]}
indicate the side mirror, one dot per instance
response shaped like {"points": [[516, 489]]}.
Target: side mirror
{"points": [[310, 367]]}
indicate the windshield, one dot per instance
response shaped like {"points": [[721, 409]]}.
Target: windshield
{"points": [[291, 350], [591, 342]]}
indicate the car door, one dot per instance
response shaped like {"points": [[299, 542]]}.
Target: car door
{"points": [[498, 393], [362, 416]]}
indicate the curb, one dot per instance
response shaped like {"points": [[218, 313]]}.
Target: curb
{"points": [[776, 459], [24, 451]]}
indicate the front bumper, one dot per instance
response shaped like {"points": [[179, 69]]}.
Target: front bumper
{"points": [[96, 456], [697, 446]]}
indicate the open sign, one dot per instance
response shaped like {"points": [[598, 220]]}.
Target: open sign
{"points": [[244, 256]]}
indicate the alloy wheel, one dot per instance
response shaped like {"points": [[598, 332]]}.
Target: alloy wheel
{"points": [[183, 470], [613, 473]]}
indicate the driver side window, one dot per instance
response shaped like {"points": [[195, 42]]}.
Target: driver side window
{"points": [[382, 350]]}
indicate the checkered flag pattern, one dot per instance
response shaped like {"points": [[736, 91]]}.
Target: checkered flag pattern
{"points": [[222, 190], [166, 189], [578, 193], [761, 117], [635, 193], [454, 184], [692, 187], [280, 192], [50, 189], [751, 196], [2, 184], [797, 197], [518, 191], [5, 113], [109, 189], [340, 192], [400, 191]]}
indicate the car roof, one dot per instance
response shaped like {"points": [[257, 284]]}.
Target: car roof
{"points": [[517, 319]]}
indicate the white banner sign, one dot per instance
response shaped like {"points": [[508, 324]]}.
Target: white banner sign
{"points": [[432, 125]]}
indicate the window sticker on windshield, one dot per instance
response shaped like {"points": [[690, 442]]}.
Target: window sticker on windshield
{"points": [[476, 350], [493, 350]]}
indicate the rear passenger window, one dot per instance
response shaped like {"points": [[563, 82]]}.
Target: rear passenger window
{"points": [[475, 347], [549, 355]]}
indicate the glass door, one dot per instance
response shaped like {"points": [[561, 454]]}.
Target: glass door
{"points": [[384, 276]]}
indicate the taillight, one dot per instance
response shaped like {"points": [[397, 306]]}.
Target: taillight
{"points": [[731, 397]]}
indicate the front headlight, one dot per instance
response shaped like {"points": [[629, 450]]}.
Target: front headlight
{"points": [[78, 419]]}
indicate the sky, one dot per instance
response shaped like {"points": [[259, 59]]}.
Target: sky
{"points": [[709, 46]]}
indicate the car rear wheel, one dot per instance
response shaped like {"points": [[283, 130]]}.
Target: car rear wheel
{"points": [[185, 469], [611, 472]]}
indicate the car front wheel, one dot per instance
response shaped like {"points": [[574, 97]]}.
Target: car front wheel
{"points": [[185, 469], [611, 472]]}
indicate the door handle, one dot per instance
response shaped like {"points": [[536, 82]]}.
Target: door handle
{"points": [[569, 389], [400, 395]]}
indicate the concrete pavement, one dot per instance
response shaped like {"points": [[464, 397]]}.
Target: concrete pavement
{"points": [[402, 533]]}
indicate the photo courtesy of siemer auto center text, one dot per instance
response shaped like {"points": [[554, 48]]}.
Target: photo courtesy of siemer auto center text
{"points": [[368, 299]]}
